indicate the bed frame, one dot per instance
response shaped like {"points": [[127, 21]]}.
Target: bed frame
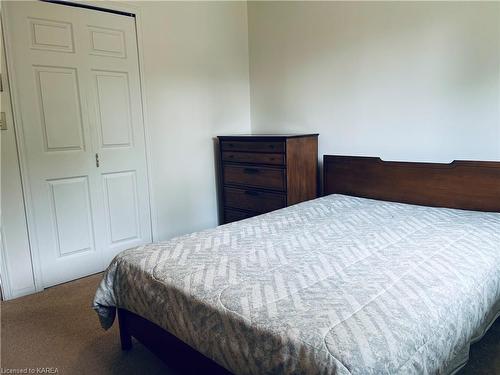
{"points": [[178, 356], [469, 185]]}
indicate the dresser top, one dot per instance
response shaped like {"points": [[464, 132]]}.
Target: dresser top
{"points": [[264, 136]]}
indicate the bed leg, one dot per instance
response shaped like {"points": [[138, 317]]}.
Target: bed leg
{"points": [[125, 336]]}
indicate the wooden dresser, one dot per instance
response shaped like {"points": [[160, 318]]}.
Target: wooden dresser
{"points": [[262, 173]]}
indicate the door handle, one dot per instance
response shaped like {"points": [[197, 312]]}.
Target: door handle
{"points": [[97, 160], [251, 192], [250, 170]]}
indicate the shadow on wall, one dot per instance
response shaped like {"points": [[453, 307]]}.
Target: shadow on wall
{"points": [[218, 179]]}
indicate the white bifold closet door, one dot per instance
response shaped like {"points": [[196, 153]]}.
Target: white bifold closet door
{"points": [[76, 77]]}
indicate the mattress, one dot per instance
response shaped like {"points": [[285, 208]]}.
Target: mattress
{"points": [[336, 285]]}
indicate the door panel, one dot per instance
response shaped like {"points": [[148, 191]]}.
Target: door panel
{"points": [[71, 215], [51, 35], [107, 42], [113, 108], [62, 129], [77, 77], [121, 206]]}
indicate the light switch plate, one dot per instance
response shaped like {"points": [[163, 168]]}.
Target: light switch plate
{"points": [[3, 122]]}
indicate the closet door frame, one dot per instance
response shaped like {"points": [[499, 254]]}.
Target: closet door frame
{"points": [[17, 124]]}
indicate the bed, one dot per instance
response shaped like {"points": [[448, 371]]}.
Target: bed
{"points": [[395, 270]]}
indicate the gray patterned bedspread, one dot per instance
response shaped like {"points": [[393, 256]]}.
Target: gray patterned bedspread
{"points": [[337, 285]]}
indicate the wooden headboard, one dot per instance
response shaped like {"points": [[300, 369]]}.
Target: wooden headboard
{"points": [[468, 185]]}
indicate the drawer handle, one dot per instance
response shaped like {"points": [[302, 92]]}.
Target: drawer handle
{"points": [[250, 170], [251, 192]]}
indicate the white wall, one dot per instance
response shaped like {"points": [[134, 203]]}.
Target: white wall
{"points": [[415, 81], [15, 258], [196, 73]]}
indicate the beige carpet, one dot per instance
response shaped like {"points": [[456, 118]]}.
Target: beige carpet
{"points": [[57, 328]]}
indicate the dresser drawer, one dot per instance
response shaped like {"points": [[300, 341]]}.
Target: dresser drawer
{"points": [[257, 201], [253, 157], [259, 146], [231, 215], [265, 177]]}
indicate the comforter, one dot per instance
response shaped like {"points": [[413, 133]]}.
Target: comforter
{"points": [[336, 285]]}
